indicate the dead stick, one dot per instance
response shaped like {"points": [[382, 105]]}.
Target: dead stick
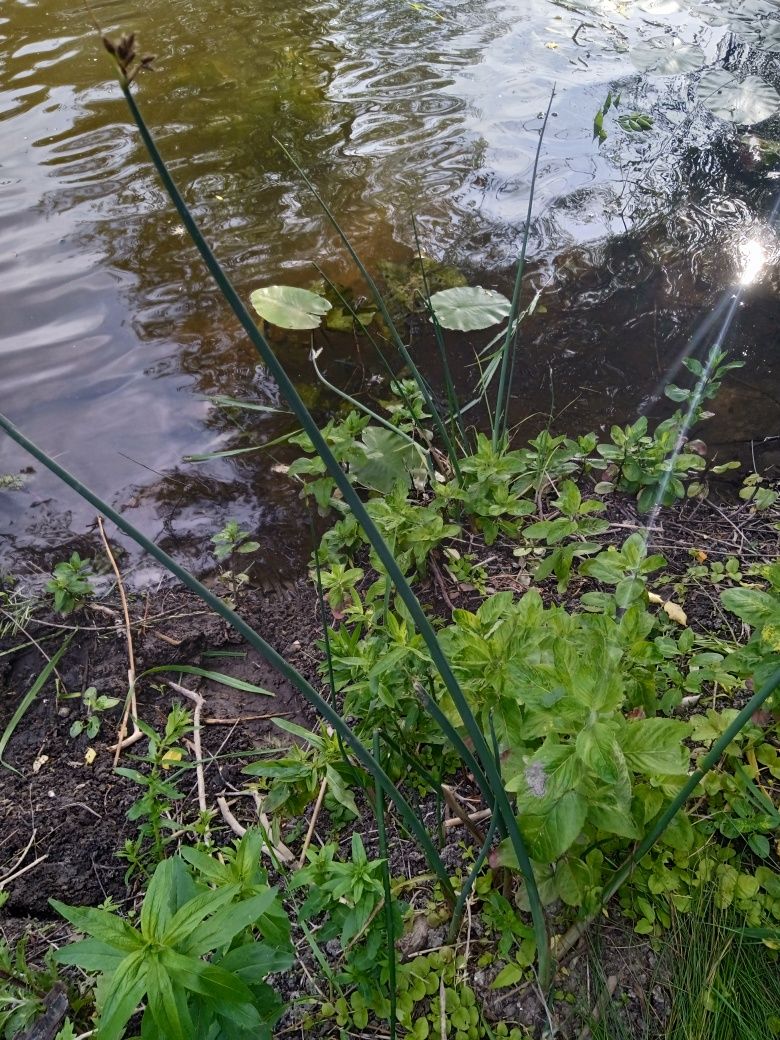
{"points": [[599, 1006], [475, 817], [23, 870], [313, 822], [460, 812], [198, 701], [131, 708]]}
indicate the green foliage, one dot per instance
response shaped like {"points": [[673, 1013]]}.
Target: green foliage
{"points": [[23, 988], [70, 585], [196, 960], [153, 810], [289, 307], [469, 308], [347, 892], [232, 539], [575, 522], [648, 465], [759, 608], [627, 569], [95, 705], [756, 490], [293, 779]]}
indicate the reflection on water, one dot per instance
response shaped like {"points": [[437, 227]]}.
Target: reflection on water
{"points": [[111, 334]]}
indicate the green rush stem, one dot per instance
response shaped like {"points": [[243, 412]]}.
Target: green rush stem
{"points": [[374, 289], [321, 601], [389, 922], [499, 795], [256, 641], [394, 379], [465, 892], [510, 343], [452, 397]]}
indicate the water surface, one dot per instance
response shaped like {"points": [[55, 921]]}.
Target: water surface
{"points": [[112, 336]]}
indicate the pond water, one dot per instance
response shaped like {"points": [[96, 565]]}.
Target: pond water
{"points": [[112, 336]]}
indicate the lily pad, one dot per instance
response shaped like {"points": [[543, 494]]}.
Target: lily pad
{"points": [[750, 101], [667, 56], [468, 308], [289, 307]]}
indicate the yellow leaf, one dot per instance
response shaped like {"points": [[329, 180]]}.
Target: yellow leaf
{"points": [[168, 759], [89, 756], [551, 46], [676, 613], [653, 597], [700, 555]]}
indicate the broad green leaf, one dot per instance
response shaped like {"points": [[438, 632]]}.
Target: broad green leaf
{"points": [[467, 308], [388, 459], [598, 749], [613, 818], [679, 834], [156, 911], [551, 834], [91, 955], [289, 307], [219, 929], [190, 916], [101, 925], [128, 985], [627, 591], [509, 975], [755, 607], [568, 881], [750, 101], [209, 980], [656, 747], [168, 1012], [253, 961], [667, 56]]}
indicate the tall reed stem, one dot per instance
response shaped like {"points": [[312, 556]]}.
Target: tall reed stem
{"points": [[385, 555]]}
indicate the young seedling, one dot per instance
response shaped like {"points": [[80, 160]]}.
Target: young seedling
{"points": [[70, 585]]}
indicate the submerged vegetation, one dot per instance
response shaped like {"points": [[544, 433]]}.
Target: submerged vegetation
{"points": [[511, 648]]}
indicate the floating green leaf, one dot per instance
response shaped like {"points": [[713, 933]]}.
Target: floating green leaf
{"points": [[750, 101], [667, 57], [468, 308], [289, 307]]}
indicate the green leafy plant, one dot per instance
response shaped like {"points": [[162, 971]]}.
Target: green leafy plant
{"points": [[95, 704], [574, 525], [195, 960], [627, 569], [759, 608], [23, 988], [648, 465], [294, 778], [153, 810], [230, 543], [758, 492], [70, 585]]}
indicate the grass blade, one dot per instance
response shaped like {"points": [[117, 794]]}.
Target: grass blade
{"points": [[379, 804], [27, 700], [510, 341], [204, 673]]}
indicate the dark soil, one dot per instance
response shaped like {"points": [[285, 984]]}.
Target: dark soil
{"points": [[71, 815]]}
